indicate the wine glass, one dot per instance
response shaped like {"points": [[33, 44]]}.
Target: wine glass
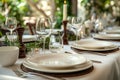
{"points": [[76, 25], [69, 19], [43, 29], [53, 20], [10, 24], [99, 26], [55, 44]]}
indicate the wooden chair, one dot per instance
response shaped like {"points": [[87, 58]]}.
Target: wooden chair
{"points": [[30, 22], [31, 27]]}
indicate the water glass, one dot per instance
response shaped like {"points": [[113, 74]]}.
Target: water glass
{"points": [[53, 21], [55, 45]]}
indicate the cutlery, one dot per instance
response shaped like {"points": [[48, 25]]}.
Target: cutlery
{"points": [[81, 52], [23, 74], [91, 52], [96, 53], [70, 52], [96, 61]]}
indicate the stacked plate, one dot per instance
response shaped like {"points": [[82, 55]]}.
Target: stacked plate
{"points": [[57, 63], [107, 36], [94, 45]]}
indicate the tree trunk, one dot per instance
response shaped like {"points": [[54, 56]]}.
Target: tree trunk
{"points": [[74, 7], [33, 5], [52, 2]]}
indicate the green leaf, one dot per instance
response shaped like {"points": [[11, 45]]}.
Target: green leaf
{"points": [[2, 18], [0, 34]]}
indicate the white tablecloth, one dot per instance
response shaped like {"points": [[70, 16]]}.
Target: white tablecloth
{"points": [[26, 38], [109, 69]]}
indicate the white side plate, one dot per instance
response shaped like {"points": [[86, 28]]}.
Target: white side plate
{"points": [[107, 36], [94, 45]]}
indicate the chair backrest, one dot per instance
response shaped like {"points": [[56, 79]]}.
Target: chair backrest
{"points": [[30, 23], [31, 27]]}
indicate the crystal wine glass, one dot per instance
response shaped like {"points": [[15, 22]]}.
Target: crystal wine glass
{"points": [[10, 24], [76, 25], [55, 44], [43, 29], [53, 20]]}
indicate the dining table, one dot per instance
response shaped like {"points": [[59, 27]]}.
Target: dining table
{"points": [[104, 67]]}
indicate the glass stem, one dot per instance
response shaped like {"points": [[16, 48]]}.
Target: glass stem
{"points": [[37, 39], [44, 39], [11, 41], [11, 32], [76, 35]]}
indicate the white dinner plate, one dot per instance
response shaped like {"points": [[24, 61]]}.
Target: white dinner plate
{"points": [[94, 45], [56, 60], [84, 66], [107, 36]]}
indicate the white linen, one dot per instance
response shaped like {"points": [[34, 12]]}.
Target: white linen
{"points": [[8, 74], [109, 69], [26, 38], [6, 71]]}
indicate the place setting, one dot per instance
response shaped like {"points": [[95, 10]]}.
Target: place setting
{"points": [[112, 33], [57, 63], [94, 45], [54, 61]]}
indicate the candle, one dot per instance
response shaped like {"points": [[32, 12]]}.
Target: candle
{"points": [[64, 11]]}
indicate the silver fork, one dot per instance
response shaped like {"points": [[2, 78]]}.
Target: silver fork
{"points": [[96, 53], [23, 74]]}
